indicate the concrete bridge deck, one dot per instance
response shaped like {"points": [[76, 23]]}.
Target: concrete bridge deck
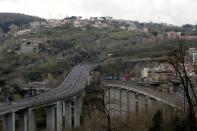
{"points": [[73, 84], [131, 86]]}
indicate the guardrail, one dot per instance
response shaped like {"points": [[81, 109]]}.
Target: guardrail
{"points": [[168, 99], [73, 84]]}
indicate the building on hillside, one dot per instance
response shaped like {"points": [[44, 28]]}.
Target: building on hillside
{"points": [[97, 24], [67, 21], [24, 32], [79, 23], [54, 22], [122, 27], [158, 73], [189, 38], [37, 24], [132, 27], [192, 55], [145, 30], [173, 35], [144, 73], [32, 46], [34, 24]]}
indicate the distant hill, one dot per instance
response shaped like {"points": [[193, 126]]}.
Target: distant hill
{"points": [[6, 19]]}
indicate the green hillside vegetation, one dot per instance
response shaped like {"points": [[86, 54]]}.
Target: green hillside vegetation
{"points": [[68, 46]]}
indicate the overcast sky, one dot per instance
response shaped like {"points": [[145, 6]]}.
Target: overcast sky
{"points": [[176, 12]]}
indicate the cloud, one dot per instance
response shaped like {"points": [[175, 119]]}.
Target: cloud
{"points": [[171, 11]]}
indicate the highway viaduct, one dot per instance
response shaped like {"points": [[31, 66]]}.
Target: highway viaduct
{"points": [[64, 104], [123, 97]]}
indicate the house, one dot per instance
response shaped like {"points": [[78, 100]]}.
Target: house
{"points": [[161, 72], [97, 24], [54, 22], [132, 27], [79, 23], [22, 32], [189, 38], [145, 30], [35, 24], [192, 54], [173, 35], [31, 46], [67, 21], [144, 73], [122, 27]]}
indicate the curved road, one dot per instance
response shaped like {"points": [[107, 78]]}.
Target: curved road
{"points": [[131, 86], [74, 83]]}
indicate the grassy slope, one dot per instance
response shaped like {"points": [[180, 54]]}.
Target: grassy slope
{"points": [[67, 47]]}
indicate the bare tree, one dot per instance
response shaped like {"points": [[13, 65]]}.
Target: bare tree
{"points": [[176, 58]]}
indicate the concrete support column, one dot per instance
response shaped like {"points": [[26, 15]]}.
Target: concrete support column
{"points": [[132, 102], [32, 120], [107, 98], [128, 102], [63, 114], [59, 117], [77, 112], [50, 118], [9, 122], [142, 102], [112, 102], [117, 102], [123, 101], [67, 117], [23, 121], [120, 102], [149, 103]]}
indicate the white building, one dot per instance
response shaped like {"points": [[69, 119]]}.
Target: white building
{"points": [[54, 22], [132, 27], [144, 73], [193, 55], [77, 24], [122, 27], [23, 32], [34, 24]]}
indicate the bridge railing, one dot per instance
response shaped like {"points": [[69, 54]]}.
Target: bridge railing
{"points": [[169, 98]]}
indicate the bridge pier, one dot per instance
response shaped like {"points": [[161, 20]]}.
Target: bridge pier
{"points": [[112, 101], [23, 121], [107, 98], [9, 122], [131, 102], [117, 102], [32, 120], [77, 110], [149, 104], [59, 117], [50, 118], [141, 102], [67, 117], [123, 101]]}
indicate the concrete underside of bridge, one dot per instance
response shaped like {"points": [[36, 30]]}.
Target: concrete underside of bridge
{"points": [[121, 102], [59, 116]]}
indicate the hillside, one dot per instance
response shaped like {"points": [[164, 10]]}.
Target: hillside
{"points": [[66, 46], [6, 19]]}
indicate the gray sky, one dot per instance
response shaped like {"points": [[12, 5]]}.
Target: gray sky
{"points": [[168, 11]]}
